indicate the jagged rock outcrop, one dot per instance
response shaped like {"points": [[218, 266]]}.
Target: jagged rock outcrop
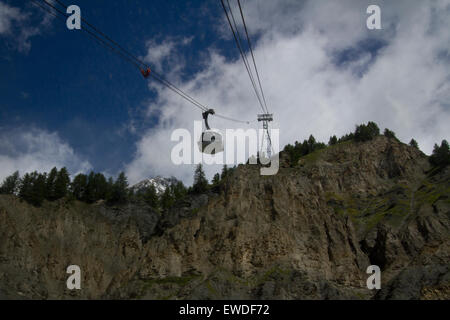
{"points": [[308, 232]]}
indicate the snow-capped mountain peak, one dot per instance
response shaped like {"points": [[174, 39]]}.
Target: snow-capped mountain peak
{"points": [[158, 182]]}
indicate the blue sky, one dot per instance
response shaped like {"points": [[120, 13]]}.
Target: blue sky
{"points": [[66, 82], [66, 101]]}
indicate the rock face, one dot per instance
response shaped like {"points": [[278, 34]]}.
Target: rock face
{"points": [[309, 232]]}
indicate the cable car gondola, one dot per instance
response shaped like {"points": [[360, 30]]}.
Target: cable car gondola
{"points": [[145, 72], [211, 141]]}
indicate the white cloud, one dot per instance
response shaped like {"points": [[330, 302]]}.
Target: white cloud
{"points": [[7, 16], [163, 55], [158, 52], [35, 149], [16, 25], [405, 87]]}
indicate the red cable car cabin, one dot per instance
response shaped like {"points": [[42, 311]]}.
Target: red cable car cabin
{"points": [[146, 73]]}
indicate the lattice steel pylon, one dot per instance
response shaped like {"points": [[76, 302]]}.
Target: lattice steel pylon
{"points": [[266, 118]]}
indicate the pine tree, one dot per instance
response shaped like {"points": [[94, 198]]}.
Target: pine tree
{"points": [[347, 137], [151, 197], [11, 184], [200, 182], [39, 189], [100, 186], [50, 184], [178, 190], [373, 129], [78, 186], [333, 140], [167, 199], [311, 143], [225, 170], [25, 187], [389, 134], [61, 183], [119, 191], [216, 179], [366, 132], [302, 149], [361, 133], [413, 143], [90, 192], [33, 188], [109, 189], [441, 155]]}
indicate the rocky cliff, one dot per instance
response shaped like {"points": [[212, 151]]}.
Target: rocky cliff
{"points": [[308, 232]]}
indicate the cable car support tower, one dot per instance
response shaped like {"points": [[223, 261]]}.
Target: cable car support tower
{"points": [[266, 118]]}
